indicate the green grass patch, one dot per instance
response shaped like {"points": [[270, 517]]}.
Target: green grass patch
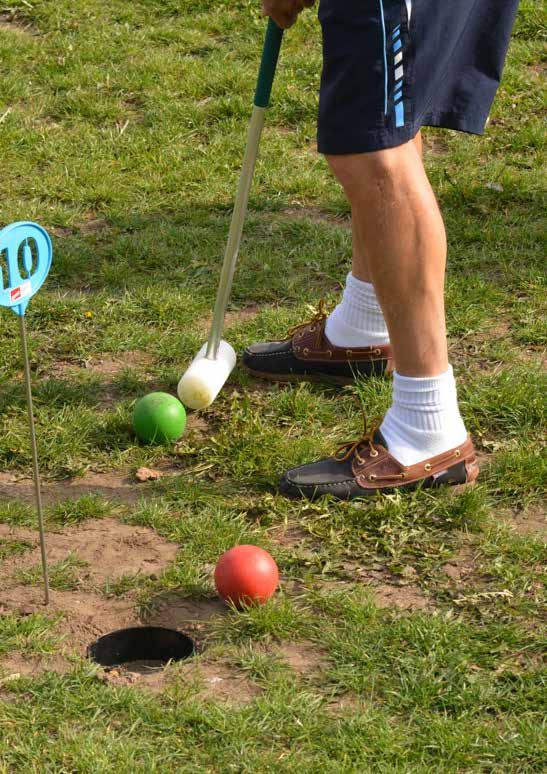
{"points": [[9, 548], [63, 575], [30, 635]]}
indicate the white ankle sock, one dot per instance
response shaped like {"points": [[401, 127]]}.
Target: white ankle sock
{"points": [[357, 321], [424, 419]]}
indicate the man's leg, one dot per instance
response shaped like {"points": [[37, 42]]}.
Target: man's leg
{"points": [[397, 220], [422, 438], [358, 319], [360, 268], [399, 225]]}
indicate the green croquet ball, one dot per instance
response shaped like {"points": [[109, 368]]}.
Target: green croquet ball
{"points": [[159, 418]]}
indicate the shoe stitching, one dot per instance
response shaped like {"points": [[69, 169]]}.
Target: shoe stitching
{"points": [[269, 354], [354, 481], [314, 486], [291, 352]]}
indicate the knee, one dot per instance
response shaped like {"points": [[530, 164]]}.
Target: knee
{"points": [[376, 169]]}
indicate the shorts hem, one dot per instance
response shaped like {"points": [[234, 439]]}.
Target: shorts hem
{"points": [[383, 139]]}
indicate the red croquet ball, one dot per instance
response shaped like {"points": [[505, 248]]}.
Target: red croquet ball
{"points": [[246, 574]]}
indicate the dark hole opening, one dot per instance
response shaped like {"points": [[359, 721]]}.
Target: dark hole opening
{"points": [[141, 644]]}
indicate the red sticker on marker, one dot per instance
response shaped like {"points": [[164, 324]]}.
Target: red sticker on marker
{"points": [[23, 291]]}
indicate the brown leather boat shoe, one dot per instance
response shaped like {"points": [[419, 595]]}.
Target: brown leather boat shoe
{"points": [[308, 355], [363, 467]]}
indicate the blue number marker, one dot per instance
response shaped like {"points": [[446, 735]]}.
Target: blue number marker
{"points": [[25, 261]]}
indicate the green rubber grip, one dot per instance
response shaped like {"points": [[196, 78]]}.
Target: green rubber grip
{"points": [[270, 55]]}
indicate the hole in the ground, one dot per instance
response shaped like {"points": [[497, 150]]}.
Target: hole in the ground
{"points": [[144, 646]]}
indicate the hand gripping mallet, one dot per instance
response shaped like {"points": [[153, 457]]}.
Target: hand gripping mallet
{"points": [[213, 364], [26, 275]]}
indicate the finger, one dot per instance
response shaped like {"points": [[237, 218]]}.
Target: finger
{"points": [[283, 12], [284, 19], [269, 8]]}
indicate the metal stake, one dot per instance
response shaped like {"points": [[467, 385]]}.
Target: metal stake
{"points": [[36, 468]]}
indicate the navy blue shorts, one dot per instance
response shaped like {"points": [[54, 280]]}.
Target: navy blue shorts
{"points": [[393, 66]]}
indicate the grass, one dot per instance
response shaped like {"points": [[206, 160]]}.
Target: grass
{"points": [[63, 575], [13, 548], [122, 130], [32, 635]]}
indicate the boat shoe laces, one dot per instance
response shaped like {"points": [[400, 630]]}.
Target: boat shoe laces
{"points": [[316, 323]]}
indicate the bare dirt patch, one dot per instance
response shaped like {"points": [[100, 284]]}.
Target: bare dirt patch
{"points": [[197, 425], [434, 144], [462, 565], [94, 225], [145, 674], [317, 215], [83, 617], [219, 681], [9, 21], [538, 70], [406, 598], [214, 679], [233, 317], [304, 658], [106, 365], [499, 330], [11, 668], [242, 315], [117, 486], [120, 487], [291, 536], [57, 231], [483, 458], [347, 703], [177, 611], [474, 348], [103, 364], [474, 345], [532, 522], [107, 551], [109, 548]]}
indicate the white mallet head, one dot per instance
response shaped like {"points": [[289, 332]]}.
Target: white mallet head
{"points": [[204, 378]]}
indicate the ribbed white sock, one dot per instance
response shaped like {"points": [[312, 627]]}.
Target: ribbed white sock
{"points": [[357, 321], [424, 419]]}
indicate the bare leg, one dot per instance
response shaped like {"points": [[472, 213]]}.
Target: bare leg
{"points": [[396, 216], [360, 267]]}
